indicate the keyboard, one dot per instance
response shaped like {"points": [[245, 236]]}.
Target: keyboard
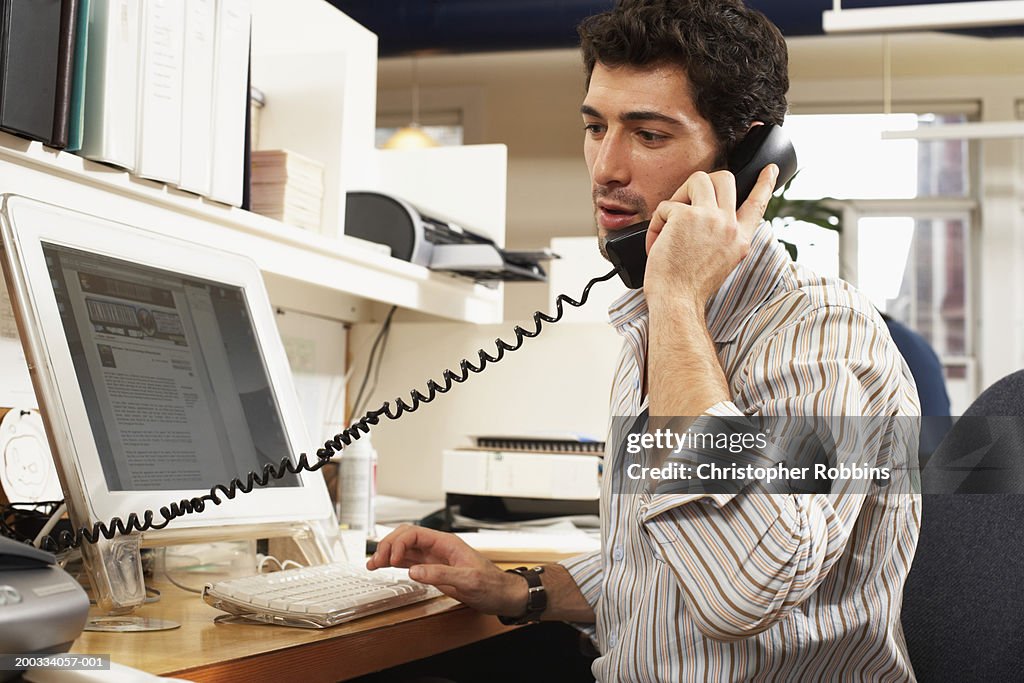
{"points": [[315, 597]]}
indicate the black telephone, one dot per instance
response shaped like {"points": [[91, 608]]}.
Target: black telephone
{"points": [[763, 145]]}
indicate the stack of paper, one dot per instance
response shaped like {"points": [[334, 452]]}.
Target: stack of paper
{"points": [[287, 187], [536, 545]]}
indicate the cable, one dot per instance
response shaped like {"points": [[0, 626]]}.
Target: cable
{"points": [[22, 520], [167, 574], [182, 586], [371, 359], [263, 559], [381, 334], [379, 364], [338, 443], [50, 523]]}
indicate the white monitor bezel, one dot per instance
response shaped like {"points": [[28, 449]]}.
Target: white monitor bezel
{"points": [[27, 224]]}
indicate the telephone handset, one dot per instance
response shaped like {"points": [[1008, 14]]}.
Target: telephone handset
{"points": [[763, 145]]}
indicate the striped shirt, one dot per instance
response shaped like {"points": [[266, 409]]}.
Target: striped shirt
{"points": [[757, 587]]}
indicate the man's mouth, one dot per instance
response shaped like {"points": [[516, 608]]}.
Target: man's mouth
{"points": [[615, 217]]}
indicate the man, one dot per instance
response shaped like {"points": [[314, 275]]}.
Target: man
{"points": [[716, 586]]}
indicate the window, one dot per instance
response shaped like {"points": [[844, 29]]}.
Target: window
{"points": [[915, 269], [907, 224], [844, 156]]}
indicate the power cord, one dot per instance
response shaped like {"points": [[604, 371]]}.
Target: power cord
{"points": [[339, 442], [263, 559], [23, 520], [381, 341], [50, 523]]}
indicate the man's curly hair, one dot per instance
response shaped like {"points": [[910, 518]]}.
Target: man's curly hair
{"points": [[735, 58]]}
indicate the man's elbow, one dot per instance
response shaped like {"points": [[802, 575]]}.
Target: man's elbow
{"points": [[719, 620]]}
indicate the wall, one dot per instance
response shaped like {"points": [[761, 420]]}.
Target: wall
{"points": [[558, 382], [530, 102]]}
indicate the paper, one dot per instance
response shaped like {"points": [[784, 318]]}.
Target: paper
{"points": [[531, 546]]}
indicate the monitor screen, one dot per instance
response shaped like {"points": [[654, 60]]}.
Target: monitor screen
{"points": [[175, 386]]}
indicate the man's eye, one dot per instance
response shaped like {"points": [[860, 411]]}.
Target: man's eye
{"points": [[593, 128], [649, 136]]}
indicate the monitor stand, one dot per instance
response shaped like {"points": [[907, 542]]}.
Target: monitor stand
{"points": [[115, 566]]}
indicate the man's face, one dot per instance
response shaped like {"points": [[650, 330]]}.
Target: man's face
{"points": [[644, 138]]}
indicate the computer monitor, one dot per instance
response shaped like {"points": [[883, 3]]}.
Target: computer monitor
{"points": [[160, 373]]}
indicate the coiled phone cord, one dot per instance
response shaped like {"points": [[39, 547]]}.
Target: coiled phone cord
{"points": [[68, 540]]}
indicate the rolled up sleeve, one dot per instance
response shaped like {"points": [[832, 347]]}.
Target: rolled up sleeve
{"points": [[588, 573]]}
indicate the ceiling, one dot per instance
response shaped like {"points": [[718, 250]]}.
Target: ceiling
{"points": [[459, 26]]}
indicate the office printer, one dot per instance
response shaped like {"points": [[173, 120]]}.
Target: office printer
{"points": [[42, 608], [504, 478], [437, 244]]}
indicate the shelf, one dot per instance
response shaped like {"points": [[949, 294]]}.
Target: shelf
{"points": [[303, 259]]}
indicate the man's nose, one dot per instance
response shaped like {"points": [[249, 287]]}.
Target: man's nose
{"points": [[611, 166]]}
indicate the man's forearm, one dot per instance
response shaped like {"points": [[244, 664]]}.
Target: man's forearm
{"points": [[684, 377], [565, 600]]}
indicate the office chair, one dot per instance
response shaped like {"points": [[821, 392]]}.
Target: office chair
{"points": [[962, 613]]}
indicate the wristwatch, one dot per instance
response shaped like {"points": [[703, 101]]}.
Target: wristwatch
{"points": [[536, 597]]}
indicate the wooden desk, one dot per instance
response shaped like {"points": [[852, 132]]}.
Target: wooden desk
{"points": [[204, 651]]}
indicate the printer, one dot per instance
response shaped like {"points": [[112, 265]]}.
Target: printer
{"points": [[437, 244], [504, 478]]}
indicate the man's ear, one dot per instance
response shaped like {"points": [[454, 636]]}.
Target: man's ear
{"points": [[722, 160]]}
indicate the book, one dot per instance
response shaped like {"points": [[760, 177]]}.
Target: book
{"points": [[111, 83], [230, 99], [29, 48], [76, 115], [65, 73], [158, 146], [197, 95]]}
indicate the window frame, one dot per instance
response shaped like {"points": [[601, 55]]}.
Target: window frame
{"points": [[968, 207]]}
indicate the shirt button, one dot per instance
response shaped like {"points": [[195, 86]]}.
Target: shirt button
{"points": [[618, 554], [612, 640]]}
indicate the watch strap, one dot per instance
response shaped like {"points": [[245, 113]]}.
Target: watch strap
{"points": [[536, 597]]}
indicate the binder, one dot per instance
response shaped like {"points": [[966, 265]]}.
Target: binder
{"points": [[230, 98], [111, 82], [76, 114], [158, 146], [65, 72], [29, 45], [551, 443], [197, 95]]}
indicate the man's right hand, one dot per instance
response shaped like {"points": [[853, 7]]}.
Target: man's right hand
{"points": [[446, 562]]}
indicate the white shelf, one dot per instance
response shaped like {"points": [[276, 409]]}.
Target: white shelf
{"points": [[309, 260]]}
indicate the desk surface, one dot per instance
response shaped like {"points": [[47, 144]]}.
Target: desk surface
{"points": [[201, 650]]}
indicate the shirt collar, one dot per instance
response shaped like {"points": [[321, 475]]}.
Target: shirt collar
{"points": [[746, 288]]}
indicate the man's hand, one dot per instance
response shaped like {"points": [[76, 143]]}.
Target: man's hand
{"points": [[694, 241], [698, 237], [448, 563]]}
